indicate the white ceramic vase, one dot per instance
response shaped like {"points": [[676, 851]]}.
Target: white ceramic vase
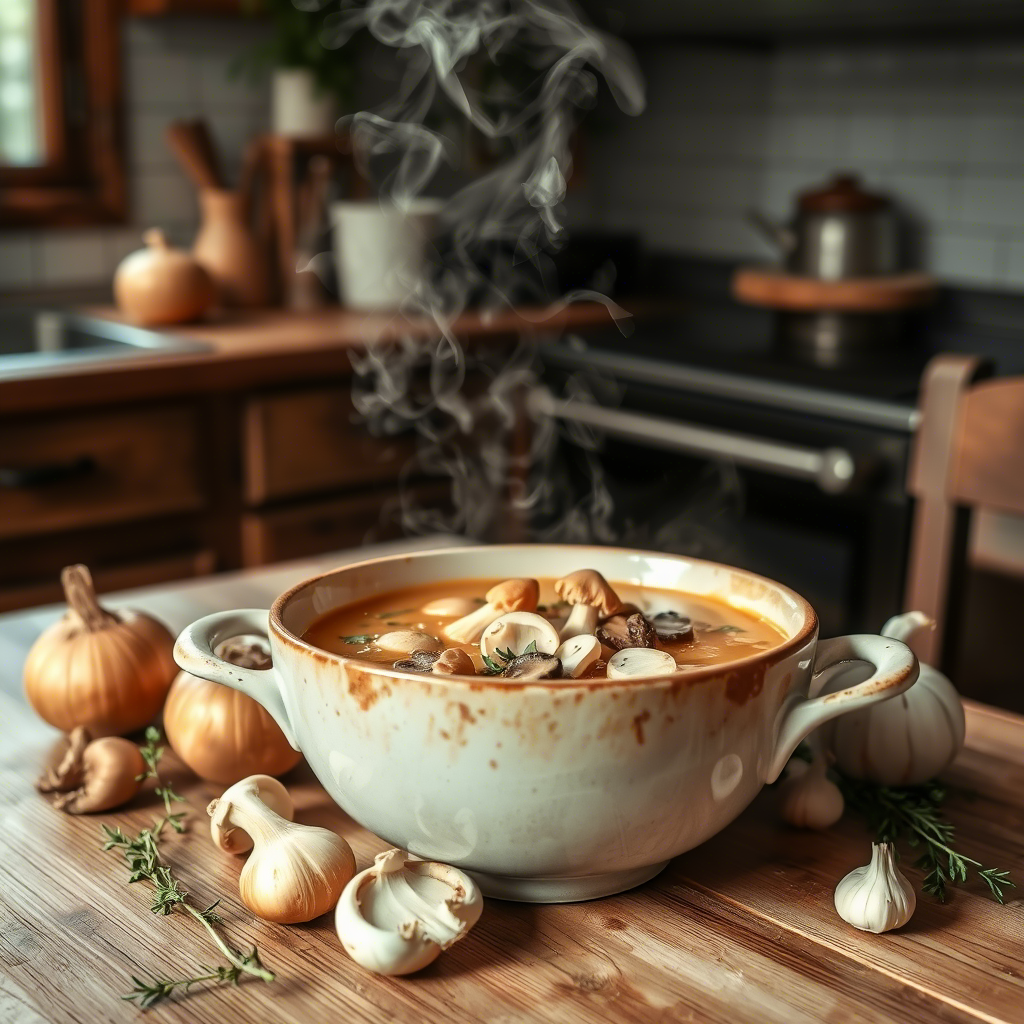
{"points": [[380, 250], [298, 107]]}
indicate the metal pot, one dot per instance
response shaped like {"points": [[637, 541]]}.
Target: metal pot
{"points": [[839, 231]]}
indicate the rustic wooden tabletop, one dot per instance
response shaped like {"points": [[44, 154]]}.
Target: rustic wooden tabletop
{"points": [[742, 929]]}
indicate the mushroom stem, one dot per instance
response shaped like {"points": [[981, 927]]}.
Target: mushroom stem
{"points": [[470, 628], [582, 619]]}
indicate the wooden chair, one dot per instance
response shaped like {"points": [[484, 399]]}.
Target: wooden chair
{"points": [[968, 456]]}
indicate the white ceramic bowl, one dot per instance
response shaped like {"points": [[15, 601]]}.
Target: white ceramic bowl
{"points": [[551, 791]]}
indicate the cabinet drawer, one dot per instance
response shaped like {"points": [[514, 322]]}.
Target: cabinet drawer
{"points": [[304, 442], [314, 527], [76, 471]]}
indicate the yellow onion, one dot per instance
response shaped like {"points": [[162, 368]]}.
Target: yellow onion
{"points": [[221, 734], [107, 671]]}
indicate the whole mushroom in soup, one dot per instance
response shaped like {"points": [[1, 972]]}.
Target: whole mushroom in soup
{"points": [[518, 633], [510, 596], [592, 599]]}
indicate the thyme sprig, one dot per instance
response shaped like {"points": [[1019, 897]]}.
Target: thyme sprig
{"points": [[494, 669], [151, 753], [142, 855], [914, 814], [148, 993]]}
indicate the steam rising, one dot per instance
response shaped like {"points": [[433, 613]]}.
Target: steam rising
{"points": [[519, 72]]}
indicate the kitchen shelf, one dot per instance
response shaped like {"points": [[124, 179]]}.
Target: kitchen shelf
{"points": [[159, 8]]}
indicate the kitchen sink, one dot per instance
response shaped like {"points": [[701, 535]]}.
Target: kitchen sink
{"points": [[42, 340]]}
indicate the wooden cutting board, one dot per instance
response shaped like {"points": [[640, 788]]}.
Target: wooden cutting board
{"points": [[775, 289], [741, 929]]}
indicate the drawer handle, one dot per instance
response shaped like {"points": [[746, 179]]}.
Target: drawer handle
{"points": [[44, 473]]}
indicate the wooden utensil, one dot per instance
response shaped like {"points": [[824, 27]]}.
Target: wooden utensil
{"points": [[190, 142]]}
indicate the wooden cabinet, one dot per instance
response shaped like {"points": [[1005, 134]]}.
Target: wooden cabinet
{"points": [[303, 442], [63, 472], [144, 494]]}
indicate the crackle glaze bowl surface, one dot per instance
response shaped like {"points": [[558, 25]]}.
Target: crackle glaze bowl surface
{"points": [[549, 791]]}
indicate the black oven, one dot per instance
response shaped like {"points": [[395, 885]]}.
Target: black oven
{"points": [[789, 471]]}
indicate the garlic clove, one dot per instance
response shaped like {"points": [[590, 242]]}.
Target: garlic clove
{"points": [[515, 632], [877, 897], [578, 653], [398, 915], [809, 798], [232, 839], [405, 641], [295, 872]]}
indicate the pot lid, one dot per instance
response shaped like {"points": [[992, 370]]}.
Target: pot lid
{"points": [[842, 194]]}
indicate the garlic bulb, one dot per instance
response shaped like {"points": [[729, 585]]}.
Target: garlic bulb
{"points": [[107, 671], [220, 733], [876, 898], [295, 872], [905, 740], [808, 797], [396, 916]]}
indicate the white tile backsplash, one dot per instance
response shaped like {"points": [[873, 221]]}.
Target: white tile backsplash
{"points": [[993, 201], [937, 125], [17, 261], [72, 257]]}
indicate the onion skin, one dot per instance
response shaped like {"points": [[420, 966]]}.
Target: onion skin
{"points": [[108, 672], [223, 735]]}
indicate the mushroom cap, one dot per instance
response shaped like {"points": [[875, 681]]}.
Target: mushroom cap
{"points": [[589, 587], [450, 607], [641, 663], [514, 595], [454, 662], [405, 641], [515, 631]]}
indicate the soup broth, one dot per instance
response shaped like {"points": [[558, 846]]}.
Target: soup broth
{"points": [[720, 632]]}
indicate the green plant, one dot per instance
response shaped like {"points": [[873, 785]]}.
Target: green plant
{"points": [[296, 41]]}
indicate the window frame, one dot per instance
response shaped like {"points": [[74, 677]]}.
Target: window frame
{"points": [[64, 191]]}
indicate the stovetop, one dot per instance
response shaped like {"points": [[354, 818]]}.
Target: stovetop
{"points": [[728, 351]]}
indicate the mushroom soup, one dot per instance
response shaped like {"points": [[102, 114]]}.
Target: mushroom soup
{"points": [[576, 627]]}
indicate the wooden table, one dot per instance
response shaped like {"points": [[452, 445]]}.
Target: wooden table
{"points": [[742, 929]]}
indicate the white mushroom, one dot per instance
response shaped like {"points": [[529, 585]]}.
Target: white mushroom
{"points": [[591, 597], [578, 653], [405, 641], [450, 607], [515, 632], [396, 916], [511, 596], [640, 663]]}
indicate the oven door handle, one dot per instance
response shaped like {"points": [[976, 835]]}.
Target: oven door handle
{"points": [[834, 470]]}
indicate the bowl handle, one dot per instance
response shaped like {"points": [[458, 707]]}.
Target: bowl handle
{"points": [[896, 670], [193, 651]]}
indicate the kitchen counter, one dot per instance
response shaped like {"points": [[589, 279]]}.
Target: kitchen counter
{"points": [[741, 929], [254, 348]]}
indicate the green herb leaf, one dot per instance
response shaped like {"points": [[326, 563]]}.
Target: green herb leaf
{"points": [[725, 629], [531, 648], [391, 615], [492, 668], [913, 814], [358, 638]]}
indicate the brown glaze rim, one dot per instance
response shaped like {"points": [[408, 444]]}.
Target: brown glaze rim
{"points": [[769, 657]]}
